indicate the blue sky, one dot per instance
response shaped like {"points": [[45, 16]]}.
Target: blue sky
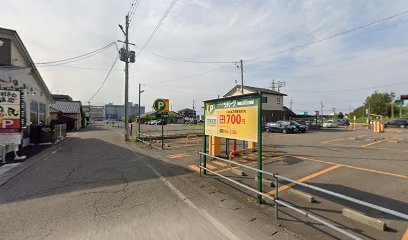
{"points": [[341, 71]]}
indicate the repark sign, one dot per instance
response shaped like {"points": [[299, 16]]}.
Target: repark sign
{"points": [[161, 105]]}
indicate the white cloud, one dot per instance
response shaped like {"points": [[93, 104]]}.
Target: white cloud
{"points": [[219, 30]]}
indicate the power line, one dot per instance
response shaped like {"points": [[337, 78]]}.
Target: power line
{"points": [[190, 76], [330, 37], [188, 61], [134, 10], [78, 67], [104, 81], [78, 58], [157, 27]]}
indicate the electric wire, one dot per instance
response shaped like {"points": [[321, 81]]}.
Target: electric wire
{"points": [[330, 37], [106, 78], [78, 58], [134, 10], [157, 27]]}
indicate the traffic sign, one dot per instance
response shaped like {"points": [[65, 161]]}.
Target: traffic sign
{"points": [[399, 102], [161, 105]]}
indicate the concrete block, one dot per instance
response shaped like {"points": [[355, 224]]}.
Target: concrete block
{"points": [[364, 219], [308, 197], [238, 172], [359, 138], [266, 182]]}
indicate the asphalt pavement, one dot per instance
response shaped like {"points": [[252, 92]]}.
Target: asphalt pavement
{"points": [[95, 186]]}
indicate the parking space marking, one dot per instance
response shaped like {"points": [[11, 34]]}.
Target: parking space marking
{"points": [[194, 168], [209, 166], [375, 142], [405, 236], [311, 176], [353, 167], [180, 155], [219, 163], [339, 139], [250, 164]]}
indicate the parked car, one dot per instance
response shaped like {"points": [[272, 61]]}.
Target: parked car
{"points": [[344, 122], [159, 122], [330, 124], [279, 127], [152, 122], [397, 123], [300, 127]]}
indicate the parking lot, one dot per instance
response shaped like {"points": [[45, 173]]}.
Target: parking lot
{"points": [[368, 166]]}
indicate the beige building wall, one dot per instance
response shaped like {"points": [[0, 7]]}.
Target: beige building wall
{"points": [[272, 100]]}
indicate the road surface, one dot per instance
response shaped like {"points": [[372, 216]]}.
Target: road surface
{"points": [[95, 186]]}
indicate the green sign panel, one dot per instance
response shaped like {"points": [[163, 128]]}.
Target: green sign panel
{"points": [[399, 102]]}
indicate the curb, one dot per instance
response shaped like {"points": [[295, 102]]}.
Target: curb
{"points": [[308, 197], [364, 219], [266, 182]]}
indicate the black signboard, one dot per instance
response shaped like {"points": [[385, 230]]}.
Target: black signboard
{"points": [[5, 52]]}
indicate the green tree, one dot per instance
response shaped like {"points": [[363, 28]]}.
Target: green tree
{"points": [[379, 103], [340, 115], [171, 117]]}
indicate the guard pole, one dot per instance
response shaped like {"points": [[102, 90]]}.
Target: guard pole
{"points": [[260, 147], [205, 142], [162, 136]]}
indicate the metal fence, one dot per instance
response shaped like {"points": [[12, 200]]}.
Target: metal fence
{"points": [[58, 132], [277, 201]]}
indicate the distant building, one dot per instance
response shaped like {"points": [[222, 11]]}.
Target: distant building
{"points": [[68, 112], [117, 112], [273, 108], [94, 113], [187, 112]]}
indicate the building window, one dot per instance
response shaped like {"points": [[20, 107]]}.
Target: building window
{"points": [[41, 113], [34, 112], [264, 99], [278, 100]]}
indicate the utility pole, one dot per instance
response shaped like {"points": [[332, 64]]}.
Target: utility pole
{"points": [[127, 80], [126, 57], [242, 77], [291, 103], [334, 111], [349, 112], [321, 108], [138, 122]]}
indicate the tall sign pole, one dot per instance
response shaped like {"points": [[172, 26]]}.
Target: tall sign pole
{"points": [[127, 81], [242, 77]]}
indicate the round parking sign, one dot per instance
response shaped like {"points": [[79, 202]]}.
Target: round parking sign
{"points": [[160, 105]]}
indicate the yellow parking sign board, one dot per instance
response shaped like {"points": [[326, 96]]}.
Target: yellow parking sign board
{"points": [[233, 118]]}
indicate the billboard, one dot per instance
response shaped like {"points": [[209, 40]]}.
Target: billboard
{"points": [[11, 109], [234, 118]]}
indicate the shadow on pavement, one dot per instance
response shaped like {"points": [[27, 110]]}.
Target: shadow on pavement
{"points": [[81, 165]]}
